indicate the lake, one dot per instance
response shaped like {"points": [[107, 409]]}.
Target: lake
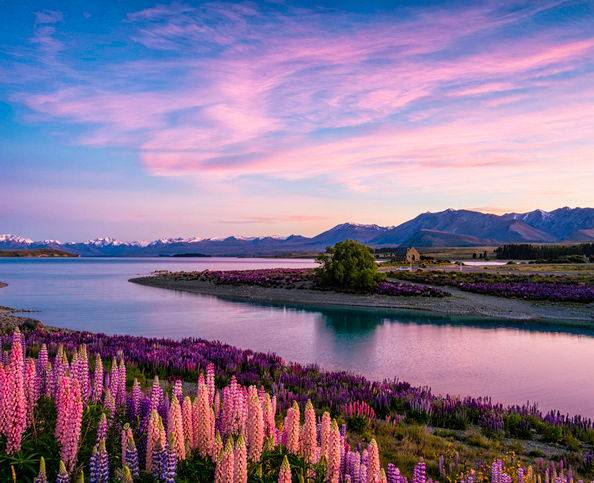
{"points": [[511, 363]]}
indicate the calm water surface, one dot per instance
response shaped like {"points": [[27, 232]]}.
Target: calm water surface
{"points": [[452, 355]]}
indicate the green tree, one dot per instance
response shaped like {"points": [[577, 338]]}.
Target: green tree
{"points": [[348, 265]]}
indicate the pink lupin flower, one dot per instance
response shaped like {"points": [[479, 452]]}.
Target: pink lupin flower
{"points": [[114, 378], [97, 389], [102, 428], [217, 404], [204, 438], [292, 429], [16, 403], [61, 401], [175, 428], [43, 370], [121, 398], [373, 462], [82, 372], [31, 388], [109, 403], [228, 463], [219, 471], [325, 434], [284, 475], [210, 382], [227, 411], [152, 436], [240, 471], [217, 447], [187, 421], [156, 394], [334, 454], [73, 425], [309, 442], [177, 391], [255, 426]]}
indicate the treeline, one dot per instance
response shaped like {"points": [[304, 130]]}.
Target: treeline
{"points": [[526, 251]]}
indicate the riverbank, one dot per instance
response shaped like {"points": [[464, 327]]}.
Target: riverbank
{"points": [[460, 303]]}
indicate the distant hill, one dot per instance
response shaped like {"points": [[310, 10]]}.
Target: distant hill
{"points": [[36, 253], [442, 229]]}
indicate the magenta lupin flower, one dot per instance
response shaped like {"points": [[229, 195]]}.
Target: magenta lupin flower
{"points": [[16, 403], [240, 461], [156, 394], [102, 428], [114, 378], [175, 428], [309, 442], [97, 389], [31, 388], [284, 475]]}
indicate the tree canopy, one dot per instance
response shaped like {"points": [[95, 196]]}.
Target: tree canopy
{"points": [[348, 265]]}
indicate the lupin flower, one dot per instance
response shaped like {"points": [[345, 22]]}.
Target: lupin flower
{"points": [[255, 427], [16, 402], [217, 447], [156, 394], [114, 378], [31, 389], [187, 419], [325, 434], [135, 399], [169, 470], [177, 391], [284, 475], [419, 473], [132, 457], [158, 456], [334, 444], [153, 435], [97, 389], [102, 427], [373, 462], [82, 372], [126, 435], [121, 396], [127, 475], [240, 460], [210, 383], [202, 431], [292, 429], [175, 428], [63, 476], [41, 476], [228, 462], [309, 442], [109, 403]]}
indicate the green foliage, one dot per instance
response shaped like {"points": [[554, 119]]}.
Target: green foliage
{"points": [[348, 265]]}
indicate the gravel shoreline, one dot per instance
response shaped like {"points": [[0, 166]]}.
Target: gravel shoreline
{"points": [[461, 303]]}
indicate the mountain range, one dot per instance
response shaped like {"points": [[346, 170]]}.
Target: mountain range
{"points": [[447, 228]]}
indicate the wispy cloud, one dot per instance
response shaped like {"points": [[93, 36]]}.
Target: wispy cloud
{"points": [[415, 99]]}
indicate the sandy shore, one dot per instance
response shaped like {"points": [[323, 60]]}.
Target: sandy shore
{"points": [[461, 303]]}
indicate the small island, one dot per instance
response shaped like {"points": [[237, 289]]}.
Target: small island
{"points": [[37, 253]]}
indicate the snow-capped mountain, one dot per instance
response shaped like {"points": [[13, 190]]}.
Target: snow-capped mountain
{"points": [[445, 228]]}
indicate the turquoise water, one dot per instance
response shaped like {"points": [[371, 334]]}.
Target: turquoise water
{"points": [[513, 364]]}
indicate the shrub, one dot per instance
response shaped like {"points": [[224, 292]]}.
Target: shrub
{"points": [[348, 265]]}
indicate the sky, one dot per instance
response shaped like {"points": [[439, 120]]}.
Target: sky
{"points": [[139, 120]]}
